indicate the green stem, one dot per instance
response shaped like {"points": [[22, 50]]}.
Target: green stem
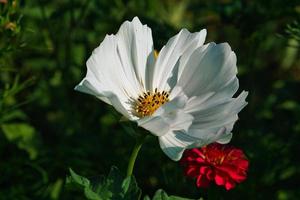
{"points": [[135, 152]]}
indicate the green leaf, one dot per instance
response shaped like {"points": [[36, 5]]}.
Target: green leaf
{"points": [[178, 198], [90, 194], [13, 115], [84, 183], [77, 179], [113, 187], [56, 189], [146, 198], [23, 135], [130, 188], [162, 195]]}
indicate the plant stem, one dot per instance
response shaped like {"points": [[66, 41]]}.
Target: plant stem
{"points": [[135, 152]]}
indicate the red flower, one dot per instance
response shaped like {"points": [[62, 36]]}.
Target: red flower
{"points": [[223, 164]]}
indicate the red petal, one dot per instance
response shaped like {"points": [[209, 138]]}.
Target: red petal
{"points": [[203, 169], [243, 164], [200, 160], [219, 179], [233, 172], [192, 171], [195, 153], [210, 174], [229, 185], [202, 181]]}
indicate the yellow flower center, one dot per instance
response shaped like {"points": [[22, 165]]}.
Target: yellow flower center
{"points": [[149, 102]]}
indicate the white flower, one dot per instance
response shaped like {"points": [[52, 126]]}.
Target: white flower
{"points": [[184, 96]]}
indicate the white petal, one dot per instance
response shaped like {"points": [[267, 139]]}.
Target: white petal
{"points": [[108, 97], [209, 119], [175, 142], [167, 66], [104, 77], [211, 97], [135, 47], [208, 69], [86, 87], [225, 139], [116, 69], [168, 117]]}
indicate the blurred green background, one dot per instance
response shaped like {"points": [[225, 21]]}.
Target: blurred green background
{"points": [[46, 127]]}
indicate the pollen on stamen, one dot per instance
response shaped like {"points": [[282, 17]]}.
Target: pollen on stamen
{"points": [[147, 103]]}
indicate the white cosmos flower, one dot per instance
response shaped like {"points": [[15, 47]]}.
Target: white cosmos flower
{"points": [[184, 96]]}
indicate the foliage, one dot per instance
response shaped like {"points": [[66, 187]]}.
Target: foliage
{"points": [[46, 127], [114, 187], [21, 133]]}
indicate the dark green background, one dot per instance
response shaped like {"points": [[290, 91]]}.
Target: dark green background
{"points": [[47, 127]]}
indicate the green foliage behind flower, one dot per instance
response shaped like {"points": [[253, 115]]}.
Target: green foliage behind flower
{"points": [[46, 127]]}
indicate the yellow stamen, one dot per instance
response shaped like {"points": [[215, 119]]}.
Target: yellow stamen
{"points": [[147, 103], [155, 54]]}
